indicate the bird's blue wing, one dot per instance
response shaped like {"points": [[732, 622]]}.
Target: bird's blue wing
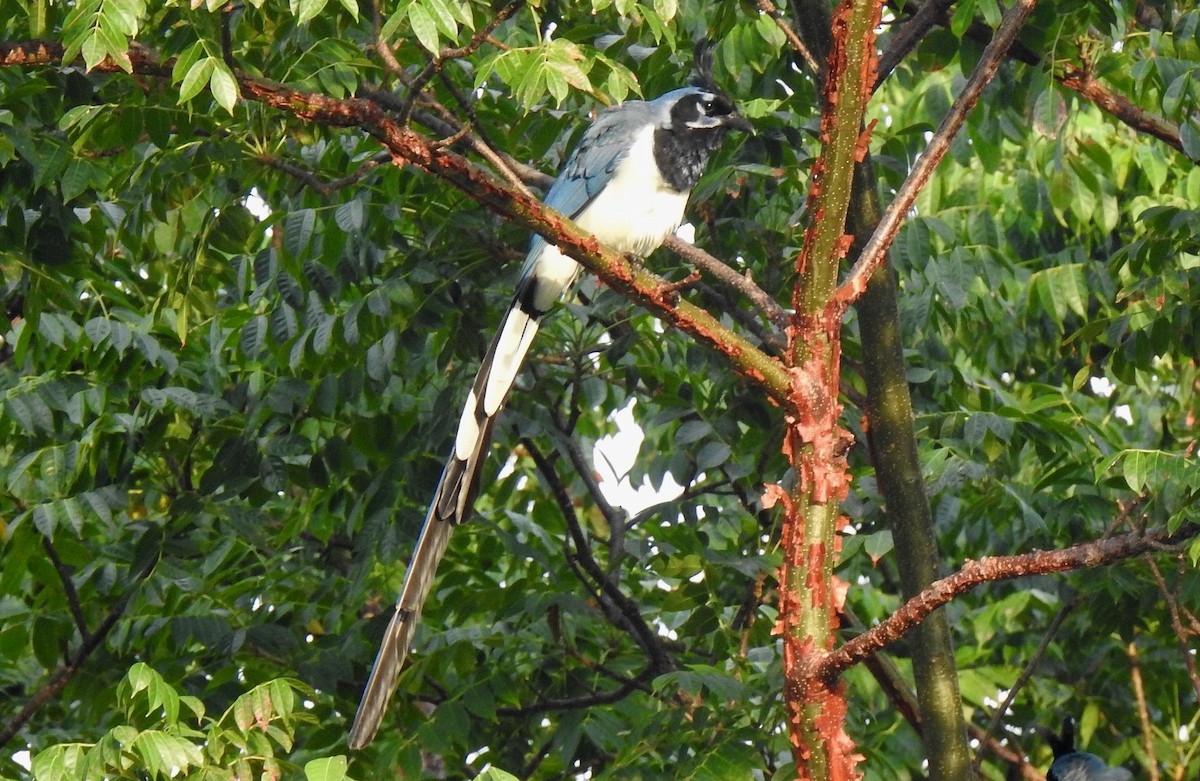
{"points": [[593, 164]]}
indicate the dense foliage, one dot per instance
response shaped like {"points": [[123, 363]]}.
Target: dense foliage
{"points": [[236, 343]]}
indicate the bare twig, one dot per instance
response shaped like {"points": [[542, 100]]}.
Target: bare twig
{"points": [[1181, 634], [1139, 698], [789, 32], [875, 251], [1024, 676], [740, 282], [314, 182], [68, 587], [63, 675]]}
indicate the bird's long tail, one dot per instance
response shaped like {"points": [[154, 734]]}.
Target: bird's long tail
{"points": [[452, 505]]}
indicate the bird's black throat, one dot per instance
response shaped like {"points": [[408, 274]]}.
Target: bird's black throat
{"points": [[682, 153]]}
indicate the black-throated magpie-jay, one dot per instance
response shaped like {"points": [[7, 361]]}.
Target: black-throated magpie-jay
{"points": [[1071, 764], [627, 182]]}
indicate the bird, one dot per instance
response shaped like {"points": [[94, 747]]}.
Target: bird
{"points": [[627, 182], [1073, 765]]}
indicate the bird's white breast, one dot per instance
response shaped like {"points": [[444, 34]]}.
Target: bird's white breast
{"points": [[636, 210]]}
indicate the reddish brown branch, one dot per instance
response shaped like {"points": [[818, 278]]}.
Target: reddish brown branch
{"points": [[990, 569], [1121, 107], [406, 146]]}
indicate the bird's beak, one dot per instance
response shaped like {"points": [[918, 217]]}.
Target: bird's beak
{"points": [[738, 122]]}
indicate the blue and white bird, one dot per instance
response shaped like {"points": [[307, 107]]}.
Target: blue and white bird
{"points": [[1072, 765], [627, 183]]}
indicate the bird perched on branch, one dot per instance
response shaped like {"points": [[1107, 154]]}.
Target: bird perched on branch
{"points": [[1072, 765], [627, 182]]}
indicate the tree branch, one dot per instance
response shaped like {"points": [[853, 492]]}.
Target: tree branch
{"points": [[1139, 698], [1024, 676], [896, 689], [874, 252], [927, 15], [583, 701], [1080, 80], [742, 283], [68, 587], [434, 66], [311, 180], [1181, 634], [636, 283], [789, 32], [993, 568], [63, 675], [651, 644]]}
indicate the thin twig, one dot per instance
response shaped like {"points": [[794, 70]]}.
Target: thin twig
{"points": [[434, 66], [789, 32], [898, 692], [63, 675], [875, 251], [651, 644], [584, 701], [740, 282], [586, 472], [68, 587], [1139, 698], [1025, 675], [443, 122], [318, 184], [1181, 634], [718, 298]]}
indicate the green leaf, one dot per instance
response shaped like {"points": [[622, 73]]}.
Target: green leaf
{"points": [[350, 215], [424, 26], [62, 762], [224, 87], [298, 231], [164, 754], [1189, 135], [196, 78], [143, 681], [306, 10], [692, 431], [326, 769]]}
